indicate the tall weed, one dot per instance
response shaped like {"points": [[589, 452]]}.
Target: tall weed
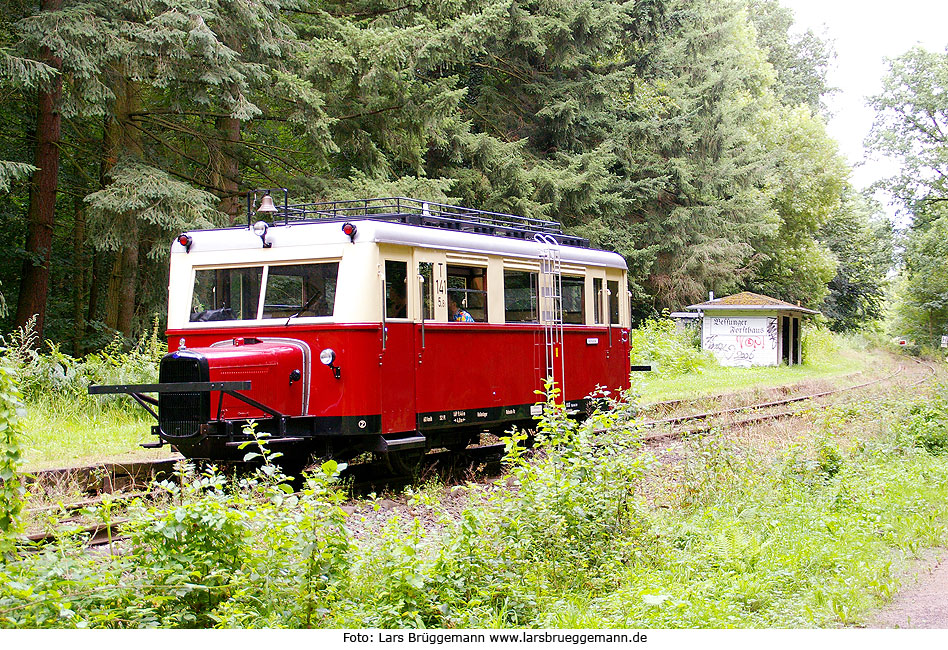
{"points": [[926, 423], [820, 345], [670, 349], [51, 373], [11, 456]]}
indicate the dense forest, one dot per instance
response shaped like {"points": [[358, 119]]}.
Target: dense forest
{"points": [[688, 135]]}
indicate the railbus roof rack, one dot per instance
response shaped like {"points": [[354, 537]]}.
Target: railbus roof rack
{"points": [[414, 212]]}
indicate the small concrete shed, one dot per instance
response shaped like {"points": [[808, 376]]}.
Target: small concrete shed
{"points": [[748, 329]]}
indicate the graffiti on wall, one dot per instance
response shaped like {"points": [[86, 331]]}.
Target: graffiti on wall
{"points": [[749, 341]]}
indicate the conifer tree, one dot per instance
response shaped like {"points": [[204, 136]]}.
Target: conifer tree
{"points": [[34, 284], [703, 196]]}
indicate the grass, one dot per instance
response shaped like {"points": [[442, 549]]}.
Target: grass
{"points": [[65, 433], [810, 526], [715, 379], [65, 430], [709, 533]]}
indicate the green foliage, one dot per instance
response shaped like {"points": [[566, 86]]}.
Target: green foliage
{"points": [[55, 373], [800, 60], [191, 551], [670, 349], [11, 456], [820, 345], [13, 171], [246, 553], [912, 125], [926, 424], [807, 191], [862, 240], [921, 294], [700, 186], [160, 203]]}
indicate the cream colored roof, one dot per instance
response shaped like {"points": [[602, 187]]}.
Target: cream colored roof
{"points": [[749, 300], [308, 234]]}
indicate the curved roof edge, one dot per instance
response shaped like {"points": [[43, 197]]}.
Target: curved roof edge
{"points": [[310, 234]]}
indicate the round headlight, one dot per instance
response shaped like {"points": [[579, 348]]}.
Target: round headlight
{"points": [[260, 228], [327, 356]]}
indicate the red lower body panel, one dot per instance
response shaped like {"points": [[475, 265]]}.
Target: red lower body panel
{"points": [[439, 376]]}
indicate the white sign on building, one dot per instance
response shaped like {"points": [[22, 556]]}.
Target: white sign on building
{"points": [[741, 340]]}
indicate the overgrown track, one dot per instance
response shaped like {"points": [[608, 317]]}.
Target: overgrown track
{"points": [[447, 465], [376, 475], [361, 479], [765, 411], [99, 534], [103, 478]]}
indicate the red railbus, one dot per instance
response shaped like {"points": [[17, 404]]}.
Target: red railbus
{"points": [[385, 325]]}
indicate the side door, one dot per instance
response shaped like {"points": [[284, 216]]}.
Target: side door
{"points": [[397, 358], [431, 307]]}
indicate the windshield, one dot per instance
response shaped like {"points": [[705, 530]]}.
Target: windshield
{"points": [[226, 294], [303, 290]]}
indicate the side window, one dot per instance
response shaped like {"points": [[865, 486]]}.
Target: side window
{"points": [[613, 286], [226, 294], [396, 289], [574, 300], [520, 297], [597, 301], [426, 271], [467, 294], [301, 290]]}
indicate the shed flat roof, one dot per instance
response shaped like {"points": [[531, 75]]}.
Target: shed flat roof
{"points": [[748, 300]]}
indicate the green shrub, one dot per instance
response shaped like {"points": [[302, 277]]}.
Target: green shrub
{"points": [[671, 350], [820, 345], [11, 487], [52, 372], [926, 425]]}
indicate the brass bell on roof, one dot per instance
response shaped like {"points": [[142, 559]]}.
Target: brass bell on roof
{"points": [[266, 205]]}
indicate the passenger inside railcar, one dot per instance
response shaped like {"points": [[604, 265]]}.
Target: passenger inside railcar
{"points": [[469, 286], [455, 313]]}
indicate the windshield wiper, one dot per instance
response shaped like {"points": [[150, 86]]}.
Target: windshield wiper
{"points": [[309, 303]]}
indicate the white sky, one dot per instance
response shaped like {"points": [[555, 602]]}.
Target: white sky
{"points": [[863, 33]]}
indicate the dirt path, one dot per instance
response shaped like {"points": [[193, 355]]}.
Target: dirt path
{"points": [[923, 604]]}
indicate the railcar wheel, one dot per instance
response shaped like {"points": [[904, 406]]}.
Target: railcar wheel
{"points": [[403, 463], [457, 446]]}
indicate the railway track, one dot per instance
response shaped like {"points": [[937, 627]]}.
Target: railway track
{"points": [[367, 477], [104, 478], [767, 411], [112, 477]]}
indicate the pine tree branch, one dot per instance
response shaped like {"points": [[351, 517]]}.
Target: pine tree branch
{"points": [[181, 128], [64, 151], [171, 148], [273, 157], [205, 138], [169, 111], [368, 113], [193, 181], [360, 14], [522, 76], [500, 134]]}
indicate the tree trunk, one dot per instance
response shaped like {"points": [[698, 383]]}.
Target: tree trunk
{"points": [[226, 170], [122, 139], [80, 259], [34, 281], [93, 310]]}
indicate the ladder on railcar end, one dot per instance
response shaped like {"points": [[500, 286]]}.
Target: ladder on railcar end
{"points": [[551, 311]]}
